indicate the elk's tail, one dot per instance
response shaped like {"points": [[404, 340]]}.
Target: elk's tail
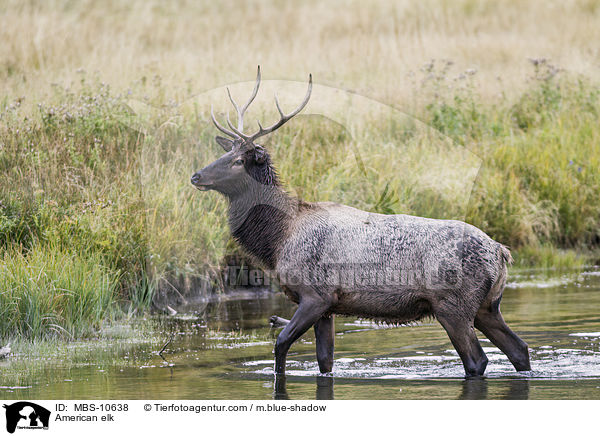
{"points": [[495, 294], [508, 259]]}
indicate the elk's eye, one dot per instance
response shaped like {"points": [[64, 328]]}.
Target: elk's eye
{"points": [[239, 162]]}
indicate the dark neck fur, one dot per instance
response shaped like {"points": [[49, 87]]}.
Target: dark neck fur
{"points": [[264, 173], [260, 217]]}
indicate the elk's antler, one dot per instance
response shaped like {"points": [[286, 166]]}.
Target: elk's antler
{"points": [[283, 118], [240, 113], [237, 132]]}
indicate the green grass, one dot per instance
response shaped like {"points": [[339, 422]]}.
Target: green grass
{"points": [[48, 293], [550, 257], [96, 207]]}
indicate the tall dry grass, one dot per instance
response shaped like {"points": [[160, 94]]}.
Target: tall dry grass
{"points": [[370, 47]]}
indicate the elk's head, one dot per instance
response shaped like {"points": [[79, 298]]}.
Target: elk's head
{"points": [[244, 162]]}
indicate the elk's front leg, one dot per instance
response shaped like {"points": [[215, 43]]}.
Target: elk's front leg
{"points": [[308, 313], [324, 334]]}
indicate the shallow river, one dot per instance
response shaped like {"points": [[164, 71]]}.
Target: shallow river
{"points": [[225, 352]]}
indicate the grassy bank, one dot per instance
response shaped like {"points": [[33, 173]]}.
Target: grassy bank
{"points": [[97, 145], [48, 293]]}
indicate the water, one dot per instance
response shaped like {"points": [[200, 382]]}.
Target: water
{"points": [[227, 354]]}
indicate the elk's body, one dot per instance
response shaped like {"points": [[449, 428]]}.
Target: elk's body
{"points": [[395, 268], [334, 259]]}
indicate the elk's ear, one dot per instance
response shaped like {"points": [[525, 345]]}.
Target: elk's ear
{"points": [[227, 144], [260, 154]]}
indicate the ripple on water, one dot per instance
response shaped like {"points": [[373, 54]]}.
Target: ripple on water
{"points": [[542, 283], [587, 335], [547, 362]]}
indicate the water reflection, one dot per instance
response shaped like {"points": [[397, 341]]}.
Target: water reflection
{"points": [[474, 389], [518, 390], [477, 389], [469, 389], [324, 387], [280, 388]]}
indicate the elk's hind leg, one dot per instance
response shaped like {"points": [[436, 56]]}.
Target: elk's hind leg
{"points": [[490, 322], [308, 312], [463, 337], [324, 334]]}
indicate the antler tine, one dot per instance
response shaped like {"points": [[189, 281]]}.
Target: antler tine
{"points": [[238, 132], [221, 128], [283, 118], [237, 109], [254, 92], [241, 112]]}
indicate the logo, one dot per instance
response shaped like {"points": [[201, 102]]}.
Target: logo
{"points": [[26, 415]]}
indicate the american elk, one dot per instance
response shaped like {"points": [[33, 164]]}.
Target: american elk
{"points": [[335, 259]]}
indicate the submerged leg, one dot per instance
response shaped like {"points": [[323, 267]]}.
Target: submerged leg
{"points": [[306, 315], [324, 334], [491, 323], [463, 337]]}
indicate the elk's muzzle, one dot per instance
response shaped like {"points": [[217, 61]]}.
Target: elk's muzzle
{"points": [[199, 183]]}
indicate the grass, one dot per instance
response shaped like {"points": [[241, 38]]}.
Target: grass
{"points": [[549, 257], [99, 135], [48, 293]]}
